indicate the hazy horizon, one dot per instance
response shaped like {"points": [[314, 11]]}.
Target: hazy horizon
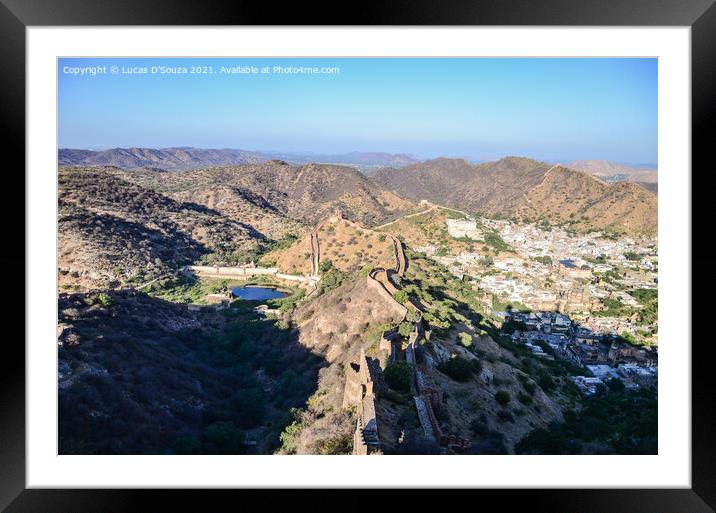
{"points": [[475, 108], [305, 153]]}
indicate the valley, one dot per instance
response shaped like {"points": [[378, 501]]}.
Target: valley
{"points": [[436, 308]]}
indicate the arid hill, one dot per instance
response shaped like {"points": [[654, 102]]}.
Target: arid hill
{"points": [[305, 193], [338, 324], [111, 231], [611, 171], [183, 158], [347, 245], [165, 158], [335, 326], [429, 227], [521, 188], [586, 203]]}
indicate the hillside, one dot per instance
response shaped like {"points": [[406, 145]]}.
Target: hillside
{"points": [[577, 198], [335, 326], [305, 193], [165, 158], [111, 231], [612, 172], [139, 375], [347, 245], [338, 324], [515, 187], [428, 228], [183, 158], [245, 207]]}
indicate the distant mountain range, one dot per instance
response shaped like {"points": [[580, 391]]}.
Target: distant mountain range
{"points": [[183, 158], [529, 190], [613, 172]]}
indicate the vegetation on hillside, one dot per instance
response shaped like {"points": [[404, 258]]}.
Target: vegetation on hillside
{"points": [[614, 420], [148, 377]]}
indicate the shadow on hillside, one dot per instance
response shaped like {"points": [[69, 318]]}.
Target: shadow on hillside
{"points": [[147, 376], [203, 209]]}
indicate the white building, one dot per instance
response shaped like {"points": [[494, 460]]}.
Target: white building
{"points": [[459, 228]]}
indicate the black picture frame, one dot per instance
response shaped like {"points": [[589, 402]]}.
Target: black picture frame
{"points": [[17, 15]]}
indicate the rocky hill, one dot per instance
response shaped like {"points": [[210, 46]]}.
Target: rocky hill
{"points": [[305, 193], [183, 158], [111, 231], [165, 158], [612, 172], [526, 189], [347, 245], [336, 326], [339, 324], [585, 203]]}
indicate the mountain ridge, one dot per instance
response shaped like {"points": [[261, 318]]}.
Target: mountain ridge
{"points": [[181, 158], [612, 171], [528, 190]]}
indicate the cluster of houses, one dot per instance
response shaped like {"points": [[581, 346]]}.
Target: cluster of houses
{"points": [[552, 334], [532, 240]]}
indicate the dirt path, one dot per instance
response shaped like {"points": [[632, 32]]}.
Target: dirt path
{"points": [[433, 207]]}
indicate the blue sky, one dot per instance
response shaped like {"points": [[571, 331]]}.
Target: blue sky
{"points": [[550, 109]]}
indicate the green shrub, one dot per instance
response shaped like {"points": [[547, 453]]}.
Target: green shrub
{"points": [[412, 316], [399, 375], [465, 339], [502, 397], [226, 437], [457, 368], [405, 328], [186, 445], [105, 300], [289, 436], [401, 297], [545, 381], [479, 427]]}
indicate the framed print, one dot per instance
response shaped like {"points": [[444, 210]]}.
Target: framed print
{"points": [[429, 249]]}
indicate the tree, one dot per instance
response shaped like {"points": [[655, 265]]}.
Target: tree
{"points": [[405, 328], [226, 437], [290, 435], [616, 384], [502, 397], [401, 297], [465, 339], [325, 266], [399, 375], [186, 445], [545, 381], [412, 316], [457, 368], [250, 402]]}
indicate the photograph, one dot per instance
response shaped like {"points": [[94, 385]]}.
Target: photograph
{"points": [[357, 256]]}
